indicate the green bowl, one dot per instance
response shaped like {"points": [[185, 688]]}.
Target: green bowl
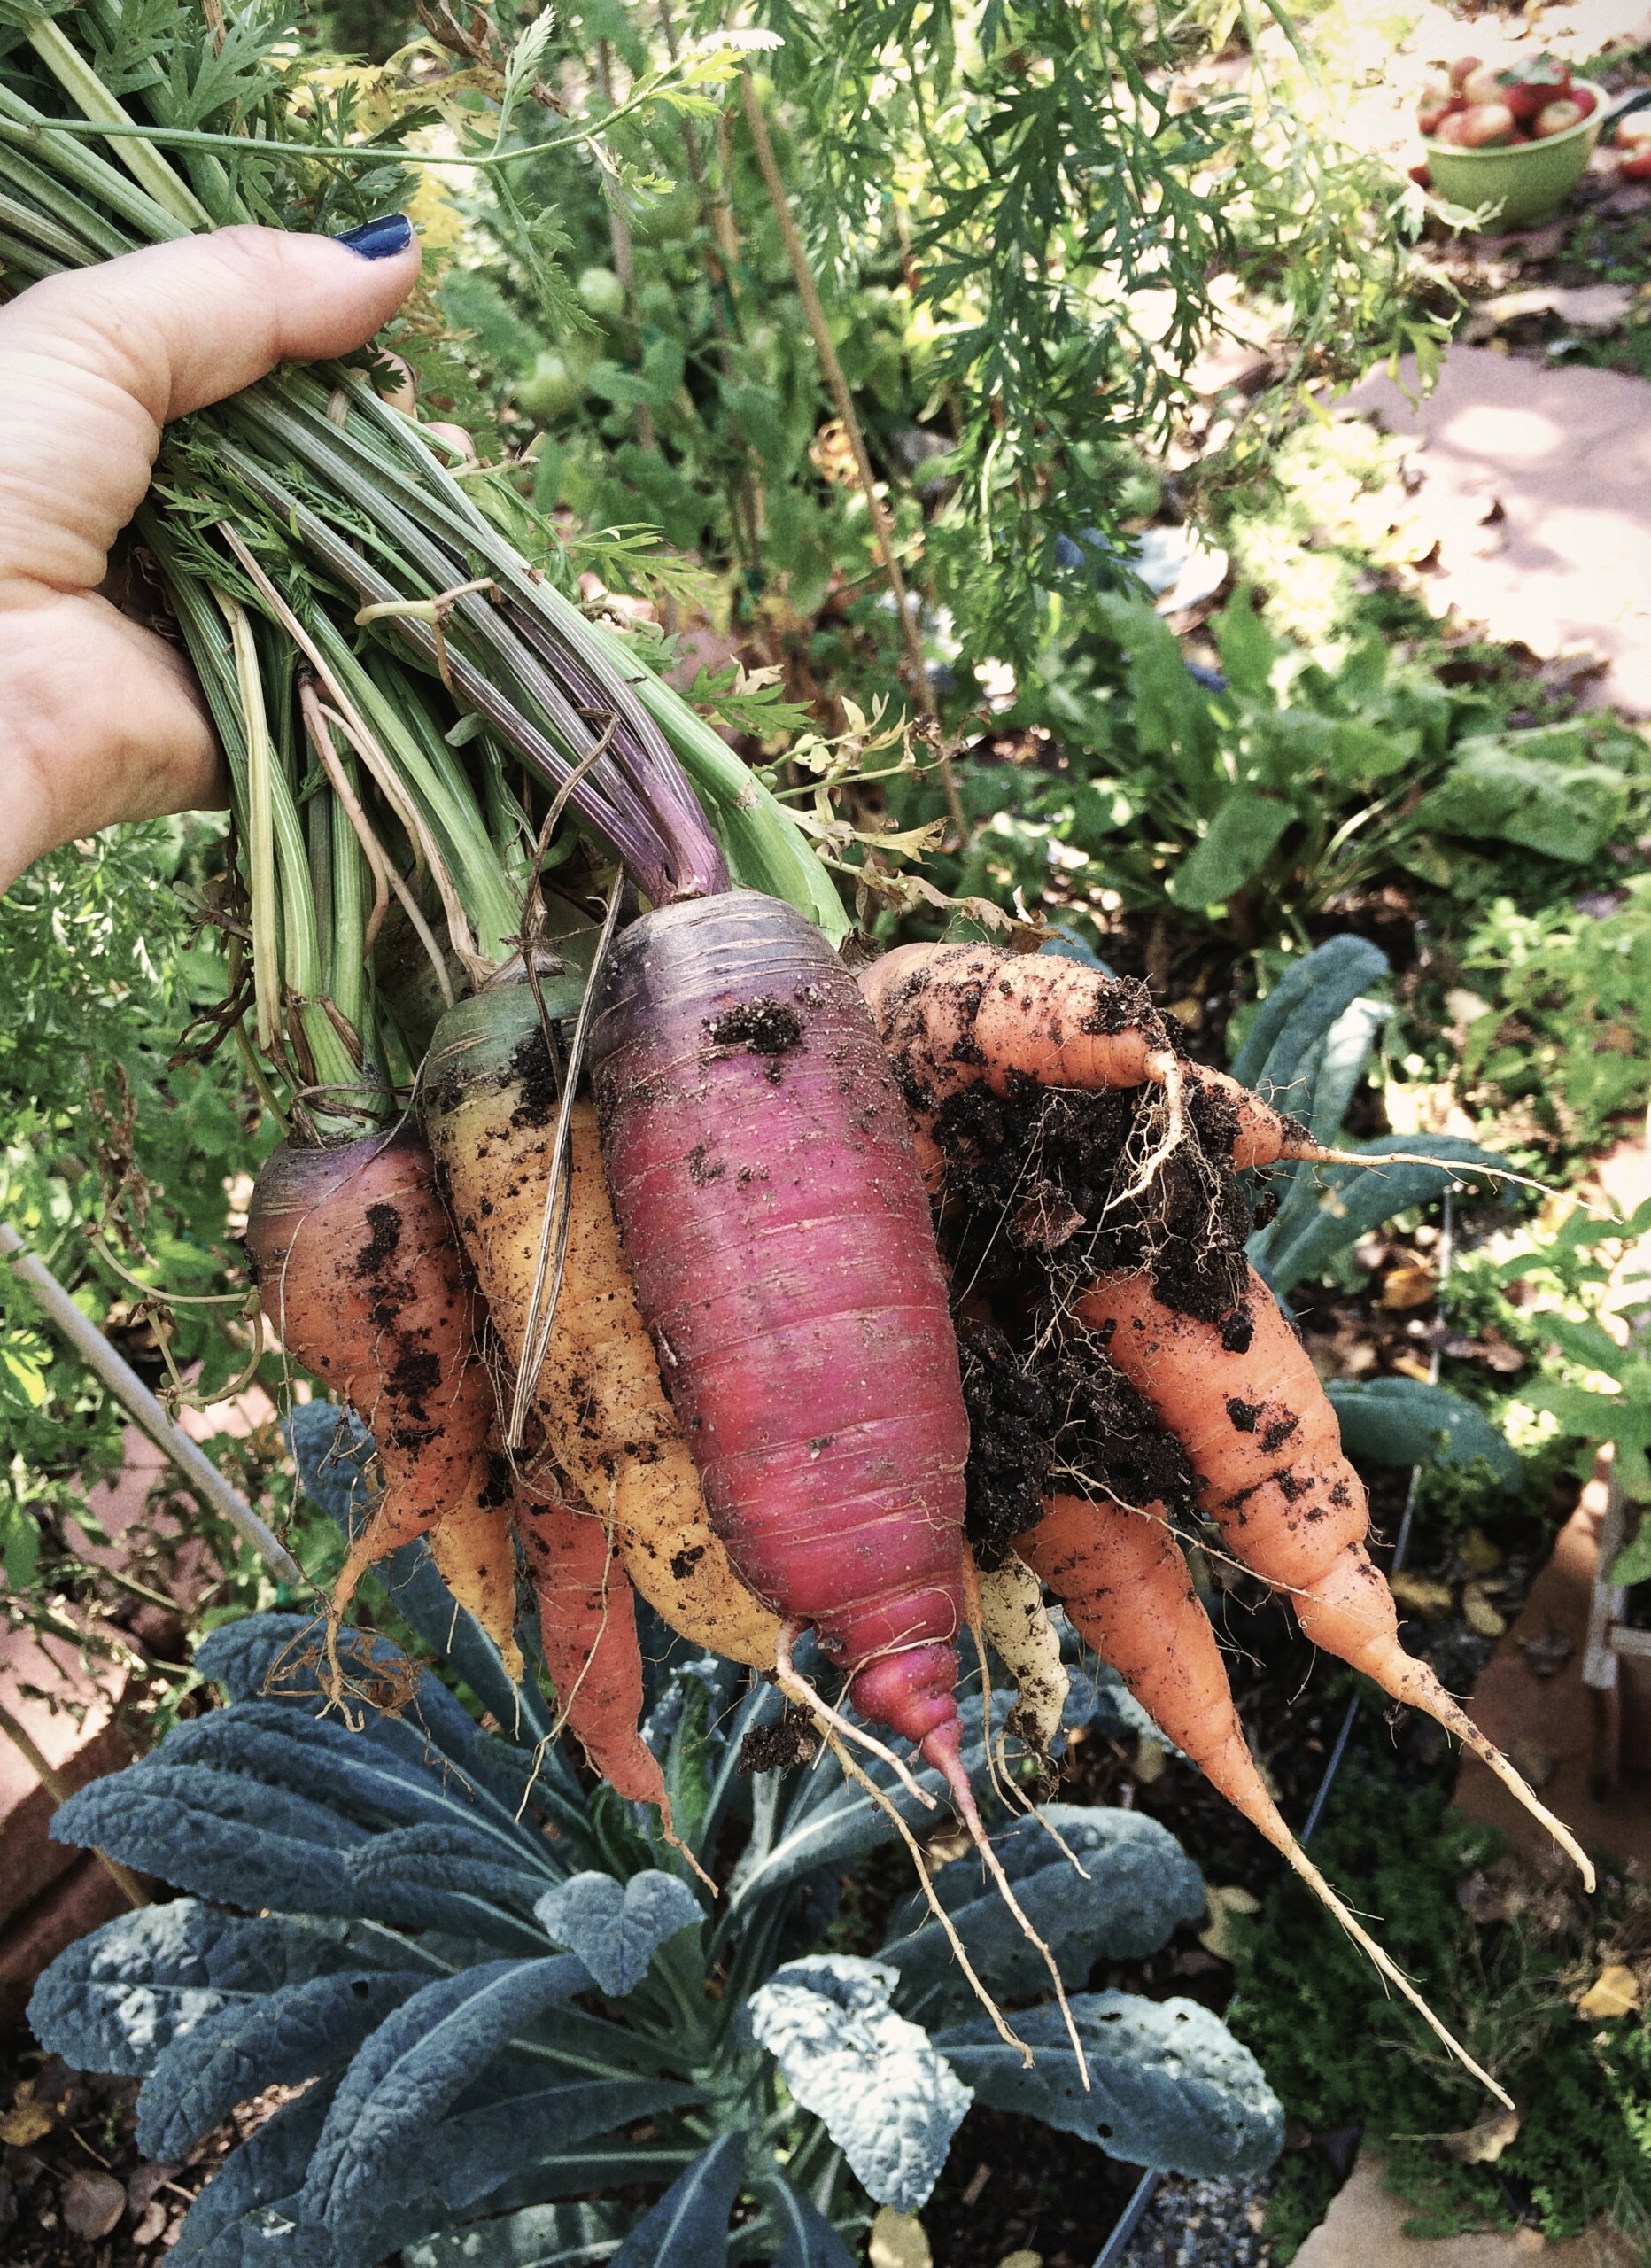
{"points": [[1524, 185]]}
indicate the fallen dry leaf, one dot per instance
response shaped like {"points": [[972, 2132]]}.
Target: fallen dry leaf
{"points": [[1412, 1285], [1021, 2260], [1482, 1618], [898, 2241], [1478, 1555], [92, 2205], [152, 2226], [1412, 1366], [1151, 1757], [26, 2123], [1217, 1935], [1422, 1594], [1483, 2142], [1615, 1991]]}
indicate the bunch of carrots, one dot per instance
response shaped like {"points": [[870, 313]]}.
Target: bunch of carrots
{"points": [[659, 1253]]}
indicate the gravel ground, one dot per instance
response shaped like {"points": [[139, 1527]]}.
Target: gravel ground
{"points": [[1202, 2224]]}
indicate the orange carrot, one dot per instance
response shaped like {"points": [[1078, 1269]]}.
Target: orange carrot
{"points": [[955, 1016], [359, 1275], [587, 1626], [1246, 1405], [1122, 1577]]}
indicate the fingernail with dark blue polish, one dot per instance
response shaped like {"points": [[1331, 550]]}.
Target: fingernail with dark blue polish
{"points": [[380, 239]]}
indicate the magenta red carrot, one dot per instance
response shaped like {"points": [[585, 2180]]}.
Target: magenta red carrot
{"points": [[777, 1228]]}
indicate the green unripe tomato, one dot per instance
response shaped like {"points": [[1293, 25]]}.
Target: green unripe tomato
{"points": [[554, 386], [602, 293]]}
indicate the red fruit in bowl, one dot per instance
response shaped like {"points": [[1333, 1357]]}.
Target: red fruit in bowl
{"points": [[1486, 126], [1586, 101], [1462, 69], [1435, 105], [1557, 118], [1531, 86], [1483, 84]]}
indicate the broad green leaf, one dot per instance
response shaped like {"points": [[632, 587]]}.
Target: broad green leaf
{"points": [[1567, 811], [1403, 1421], [539, 2236], [1300, 1010], [1136, 1885], [1170, 2086], [1247, 647], [1242, 836], [889, 2102], [1358, 752], [616, 1928], [688, 2228]]}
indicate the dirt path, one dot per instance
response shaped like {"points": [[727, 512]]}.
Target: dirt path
{"points": [[1536, 484]]}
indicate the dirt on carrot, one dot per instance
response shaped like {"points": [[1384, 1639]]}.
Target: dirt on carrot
{"points": [[1056, 1413], [1041, 1197]]}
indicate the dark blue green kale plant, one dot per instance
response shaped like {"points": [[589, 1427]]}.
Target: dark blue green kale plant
{"points": [[499, 1992]]}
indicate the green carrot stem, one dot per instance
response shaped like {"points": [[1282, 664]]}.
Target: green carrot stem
{"points": [[36, 229], [53, 197], [260, 825], [18, 257], [494, 902], [347, 984], [87, 91], [318, 826], [52, 140]]}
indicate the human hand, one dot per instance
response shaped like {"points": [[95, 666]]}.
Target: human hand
{"points": [[100, 719]]}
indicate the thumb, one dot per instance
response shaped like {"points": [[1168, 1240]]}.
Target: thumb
{"points": [[93, 364], [98, 718]]}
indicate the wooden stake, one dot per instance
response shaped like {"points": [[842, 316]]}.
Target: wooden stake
{"points": [[135, 1399]]}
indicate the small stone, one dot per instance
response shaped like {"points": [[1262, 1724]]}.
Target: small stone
{"points": [[93, 2204]]}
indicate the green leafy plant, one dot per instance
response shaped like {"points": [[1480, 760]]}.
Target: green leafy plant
{"points": [[1341, 2057], [119, 1152], [1567, 1036], [1255, 794], [373, 1915]]}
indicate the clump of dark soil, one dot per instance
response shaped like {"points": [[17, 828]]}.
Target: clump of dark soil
{"points": [[1042, 1191], [1057, 1416], [765, 1026], [536, 1080], [384, 1240]]}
